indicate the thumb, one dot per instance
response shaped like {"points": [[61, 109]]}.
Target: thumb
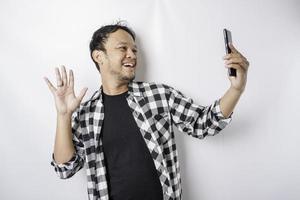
{"points": [[233, 49], [82, 93]]}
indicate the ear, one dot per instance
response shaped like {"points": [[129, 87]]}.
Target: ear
{"points": [[98, 56]]}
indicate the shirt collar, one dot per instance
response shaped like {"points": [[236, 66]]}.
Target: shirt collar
{"points": [[133, 89]]}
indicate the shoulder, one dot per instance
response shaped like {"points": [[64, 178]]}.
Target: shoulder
{"points": [[156, 90], [157, 87]]}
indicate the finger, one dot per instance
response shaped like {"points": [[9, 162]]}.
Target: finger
{"points": [[51, 87], [64, 75], [231, 55], [233, 49], [235, 66], [227, 56], [71, 79], [243, 63], [82, 93], [234, 60], [247, 63], [58, 77]]}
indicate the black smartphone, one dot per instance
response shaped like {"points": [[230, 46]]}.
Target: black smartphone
{"points": [[227, 40]]}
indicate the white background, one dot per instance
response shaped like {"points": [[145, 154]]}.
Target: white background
{"points": [[181, 44]]}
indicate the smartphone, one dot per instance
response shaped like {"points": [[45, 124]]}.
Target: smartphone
{"points": [[227, 40]]}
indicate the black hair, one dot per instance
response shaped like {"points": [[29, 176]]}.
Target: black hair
{"points": [[100, 36]]}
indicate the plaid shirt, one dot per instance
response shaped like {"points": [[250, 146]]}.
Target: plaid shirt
{"points": [[155, 108]]}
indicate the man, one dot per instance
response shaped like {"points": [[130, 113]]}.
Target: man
{"points": [[124, 132]]}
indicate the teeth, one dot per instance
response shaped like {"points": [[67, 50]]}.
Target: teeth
{"points": [[128, 64]]}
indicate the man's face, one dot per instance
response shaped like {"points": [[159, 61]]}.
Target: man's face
{"points": [[119, 62]]}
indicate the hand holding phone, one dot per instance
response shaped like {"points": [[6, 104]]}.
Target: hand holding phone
{"points": [[227, 40]]}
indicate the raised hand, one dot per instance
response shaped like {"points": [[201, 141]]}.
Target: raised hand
{"points": [[65, 100], [237, 61]]}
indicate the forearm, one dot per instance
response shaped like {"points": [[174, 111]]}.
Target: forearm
{"points": [[229, 101], [63, 147]]}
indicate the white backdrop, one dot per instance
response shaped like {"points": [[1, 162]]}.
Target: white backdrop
{"points": [[181, 44]]}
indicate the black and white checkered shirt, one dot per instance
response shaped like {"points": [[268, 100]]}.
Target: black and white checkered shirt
{"points": [[155, 108]]}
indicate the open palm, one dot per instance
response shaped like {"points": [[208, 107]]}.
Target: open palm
{"points": [[65, 100]]}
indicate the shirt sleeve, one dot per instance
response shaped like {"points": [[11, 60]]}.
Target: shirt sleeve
{"points": [[196, 120], [68, 169]]}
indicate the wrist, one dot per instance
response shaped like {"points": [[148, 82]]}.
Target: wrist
{"points": [[66, 115]]}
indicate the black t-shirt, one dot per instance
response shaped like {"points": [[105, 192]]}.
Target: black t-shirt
{"points": [[131, 173]]}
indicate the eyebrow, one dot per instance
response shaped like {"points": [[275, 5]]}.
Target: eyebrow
{"points": [[126, 44]]}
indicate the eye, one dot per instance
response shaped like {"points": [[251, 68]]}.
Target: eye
{"points": [[134, 51], [123, 48]]}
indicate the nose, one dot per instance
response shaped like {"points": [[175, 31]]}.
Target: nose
{"points": [[130, 54]]}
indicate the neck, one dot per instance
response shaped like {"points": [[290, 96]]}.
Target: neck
{"points": [[114, 88]]}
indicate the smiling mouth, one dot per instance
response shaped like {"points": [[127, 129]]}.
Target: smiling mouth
{"points": [[129, 65]]}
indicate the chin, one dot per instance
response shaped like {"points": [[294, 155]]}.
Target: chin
{"points": [[128, 78]]}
